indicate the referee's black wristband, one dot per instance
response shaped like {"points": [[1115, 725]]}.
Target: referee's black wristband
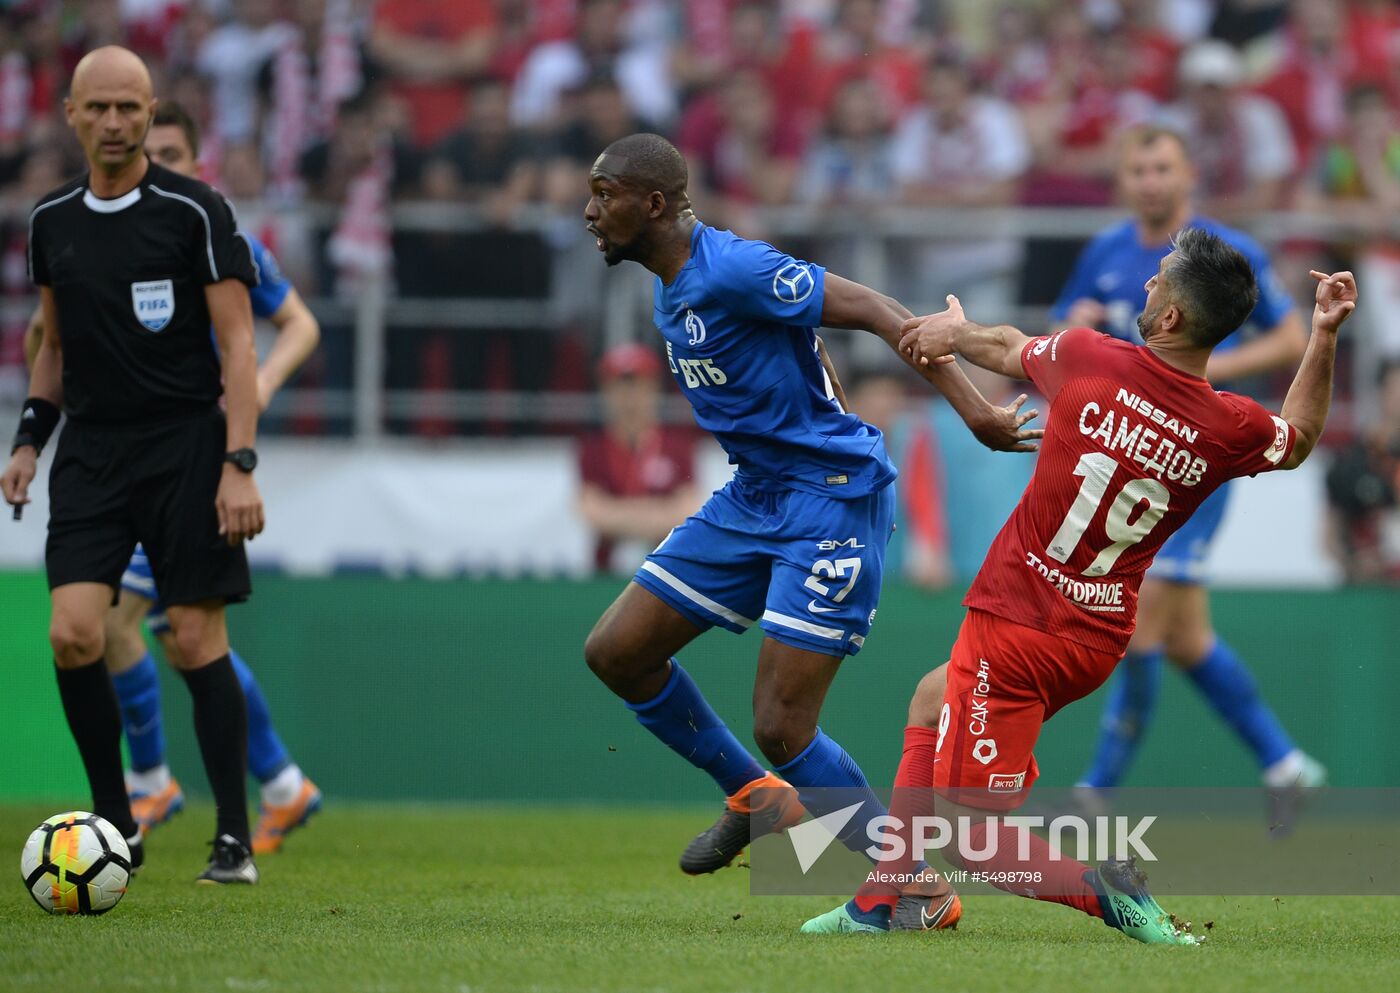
{"points": [[36, 424]]}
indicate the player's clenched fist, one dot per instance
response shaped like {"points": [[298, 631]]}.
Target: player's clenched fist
{"points": [[932, 338], [14, 484], [1335, 299], [239, 506]]}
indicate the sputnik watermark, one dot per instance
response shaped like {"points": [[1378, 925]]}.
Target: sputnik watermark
{"points": [[1195, 841], [976, 839]]}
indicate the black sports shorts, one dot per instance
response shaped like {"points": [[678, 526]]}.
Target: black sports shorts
{"points": [[111, 487]]}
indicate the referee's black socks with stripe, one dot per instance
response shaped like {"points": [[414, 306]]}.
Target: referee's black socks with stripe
{"points": [[94, 717], [221, 724]]}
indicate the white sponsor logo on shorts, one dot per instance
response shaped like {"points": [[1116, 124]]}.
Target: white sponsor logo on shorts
{"points": [[1002, 783], [985, 750]]}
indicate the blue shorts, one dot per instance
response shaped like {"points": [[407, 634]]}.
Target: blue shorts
{"points": [[806, 568], [139, 579], [1182, 557]]}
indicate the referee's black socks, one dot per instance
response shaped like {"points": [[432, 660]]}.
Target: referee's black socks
{"points": [[94, 717], [221, 724]]}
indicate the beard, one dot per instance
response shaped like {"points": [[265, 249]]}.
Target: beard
{"points": [[1145, 321], [630, 251]]}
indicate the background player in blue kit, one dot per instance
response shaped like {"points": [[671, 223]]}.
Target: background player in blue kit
{"points": [[1106, 291], [288, 797], [795, 542]]}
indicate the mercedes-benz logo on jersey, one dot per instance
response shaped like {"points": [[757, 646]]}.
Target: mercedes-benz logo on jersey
{"points": [[154, 303], [793, 283], [694, 327]]}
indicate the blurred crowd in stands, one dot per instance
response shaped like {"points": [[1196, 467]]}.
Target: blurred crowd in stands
{"points": [[504, 103], [320, 115]]}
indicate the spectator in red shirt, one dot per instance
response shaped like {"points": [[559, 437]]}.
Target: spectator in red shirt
{"points": [[742, 148], [1373, 31], [429, 48], [752, 35], [600, 44], [1016, 65], [856, 49], [1240, 141], [636, 475], [1154, 52], [1311, 81], [1074, 127]]}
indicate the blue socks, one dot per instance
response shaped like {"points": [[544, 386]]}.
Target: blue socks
{"points": [[267, 756], [1131, 703], [138, 693], [824, 763], [1225, 682], [681, 718]]}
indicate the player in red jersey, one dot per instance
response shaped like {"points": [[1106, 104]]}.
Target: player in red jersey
{"points": [[1136, 439]]}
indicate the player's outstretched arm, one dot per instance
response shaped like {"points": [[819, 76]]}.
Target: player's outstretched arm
{"points": [[238, 503], [298, 333], [929, 339], [1310, 396], [852, 306]]}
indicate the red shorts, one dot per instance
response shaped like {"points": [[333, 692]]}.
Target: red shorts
{"points": [[1004, 681]]}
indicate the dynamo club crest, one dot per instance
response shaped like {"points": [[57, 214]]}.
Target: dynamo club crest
{"points": [[154, 303]]}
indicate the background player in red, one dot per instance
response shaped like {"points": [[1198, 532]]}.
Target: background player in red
{"points": [[1136, 439]]}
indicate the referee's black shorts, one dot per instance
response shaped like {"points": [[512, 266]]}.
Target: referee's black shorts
{"points": [[111, 487]]}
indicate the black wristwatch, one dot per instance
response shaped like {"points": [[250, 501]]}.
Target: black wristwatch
{"points": [[243, 458]]}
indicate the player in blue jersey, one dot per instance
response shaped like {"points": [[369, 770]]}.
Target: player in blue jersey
{"points": [[795, 543], [1106, 291], [288, 797]]}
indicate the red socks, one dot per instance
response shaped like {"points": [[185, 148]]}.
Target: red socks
{"points": [[1058, 880], [913, 797]]}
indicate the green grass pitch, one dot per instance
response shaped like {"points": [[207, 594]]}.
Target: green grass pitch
{"points": [[386, 899]]}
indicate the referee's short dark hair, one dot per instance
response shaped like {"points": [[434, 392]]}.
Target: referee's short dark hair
{"points": [[171, 114]]}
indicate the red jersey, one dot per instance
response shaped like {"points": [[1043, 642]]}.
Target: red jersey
{"points": [[1132, 447]]}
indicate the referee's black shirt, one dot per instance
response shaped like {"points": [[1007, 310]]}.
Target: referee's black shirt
{"points": [[128, 277]]}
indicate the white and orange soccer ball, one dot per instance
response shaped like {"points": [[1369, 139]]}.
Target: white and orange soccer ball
{"points": [[75, 863]]}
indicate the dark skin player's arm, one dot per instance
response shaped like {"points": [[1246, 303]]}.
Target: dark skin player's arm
{"points": [[852, 306]]}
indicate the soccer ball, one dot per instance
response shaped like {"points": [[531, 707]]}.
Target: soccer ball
{"points": [[75, 863]]}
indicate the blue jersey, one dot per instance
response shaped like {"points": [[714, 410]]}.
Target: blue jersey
{"points": [[738, 322], [272, 288], [1114, 268]]}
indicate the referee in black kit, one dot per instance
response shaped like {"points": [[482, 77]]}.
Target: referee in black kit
{"points": [[133, 263]]}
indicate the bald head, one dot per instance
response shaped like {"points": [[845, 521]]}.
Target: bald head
{"points": [[109, 108], [646, 162], [111, 66], [639, 209]]}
